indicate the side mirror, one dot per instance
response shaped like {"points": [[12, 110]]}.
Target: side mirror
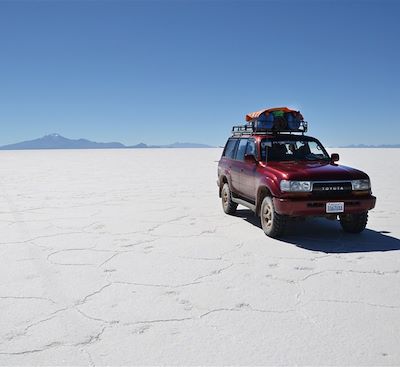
{"points": [[334, 157], [250, 158]]}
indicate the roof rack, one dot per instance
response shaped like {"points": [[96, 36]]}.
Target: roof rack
{"points": [[251, 128]]}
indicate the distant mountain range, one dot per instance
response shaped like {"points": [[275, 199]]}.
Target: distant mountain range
{"points": [[56, 141], [371, 146]]}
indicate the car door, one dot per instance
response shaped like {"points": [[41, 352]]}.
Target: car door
{"points": [[248, 172]]}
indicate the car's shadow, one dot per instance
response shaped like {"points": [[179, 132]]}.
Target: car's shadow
{"points": [[320, 234]]}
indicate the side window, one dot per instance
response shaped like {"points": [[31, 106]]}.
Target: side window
{"points": [[241, 149], [230, 148], [264, 146], [251, 147]]}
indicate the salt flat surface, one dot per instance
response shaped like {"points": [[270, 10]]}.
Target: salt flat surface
{"points": [[122, 257]]}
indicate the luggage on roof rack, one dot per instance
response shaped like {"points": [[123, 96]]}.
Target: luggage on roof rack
{"points": [[278, 119], [250, 128]]}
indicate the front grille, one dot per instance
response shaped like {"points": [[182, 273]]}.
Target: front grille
{"points": [[332, 189]]}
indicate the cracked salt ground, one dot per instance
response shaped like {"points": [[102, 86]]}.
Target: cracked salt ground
{"points": [[129, 305], [160, 269], [102, 264]]}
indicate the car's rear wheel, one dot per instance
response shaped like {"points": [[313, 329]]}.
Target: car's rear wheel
{"points": [[273, 224], [354, 223], [227, 204]]}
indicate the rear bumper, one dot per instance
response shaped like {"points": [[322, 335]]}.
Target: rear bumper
{"points": [[295, 207]]}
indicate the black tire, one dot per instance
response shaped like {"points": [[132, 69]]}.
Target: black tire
{"points": [[228, 205], [273, 224], [354, 223]]}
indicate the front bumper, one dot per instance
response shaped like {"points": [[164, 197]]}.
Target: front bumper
{"points": [[309, 207]]}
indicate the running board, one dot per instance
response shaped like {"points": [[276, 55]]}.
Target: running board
{"points": [[244, 203]]}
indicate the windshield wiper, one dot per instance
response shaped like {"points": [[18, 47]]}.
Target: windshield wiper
{"points": [[312, 157]]}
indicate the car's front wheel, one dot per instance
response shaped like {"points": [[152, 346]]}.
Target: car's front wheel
{"points": [[354, 223], [273, 224], [227, 204]]}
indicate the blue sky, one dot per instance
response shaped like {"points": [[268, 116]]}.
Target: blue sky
{"points": [[165, 71]]}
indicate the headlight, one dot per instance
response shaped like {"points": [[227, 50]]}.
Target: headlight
{"points": [[295, 186], [360, 184]]}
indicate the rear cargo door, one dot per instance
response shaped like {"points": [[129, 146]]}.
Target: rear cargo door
{"points": [[228, 161]]}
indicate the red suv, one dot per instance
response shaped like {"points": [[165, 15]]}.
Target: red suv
{"points": [[279, 174]]}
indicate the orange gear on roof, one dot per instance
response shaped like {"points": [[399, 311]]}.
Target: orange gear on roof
{"points": [[255, 115]]}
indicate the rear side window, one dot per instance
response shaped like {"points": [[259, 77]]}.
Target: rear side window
{"points": [[241, 149], [251, 147], [230, 148]]}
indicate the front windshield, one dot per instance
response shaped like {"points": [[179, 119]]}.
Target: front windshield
{"points": [[292, 150]]}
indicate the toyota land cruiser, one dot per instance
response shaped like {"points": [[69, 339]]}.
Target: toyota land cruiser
{"points": [[280, 174]]}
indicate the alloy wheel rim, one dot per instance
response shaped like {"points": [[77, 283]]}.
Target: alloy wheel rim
{"points": [[267, 215], [225, 197]]}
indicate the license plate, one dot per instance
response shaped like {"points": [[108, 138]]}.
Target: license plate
{"points": [[335, 207]]}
